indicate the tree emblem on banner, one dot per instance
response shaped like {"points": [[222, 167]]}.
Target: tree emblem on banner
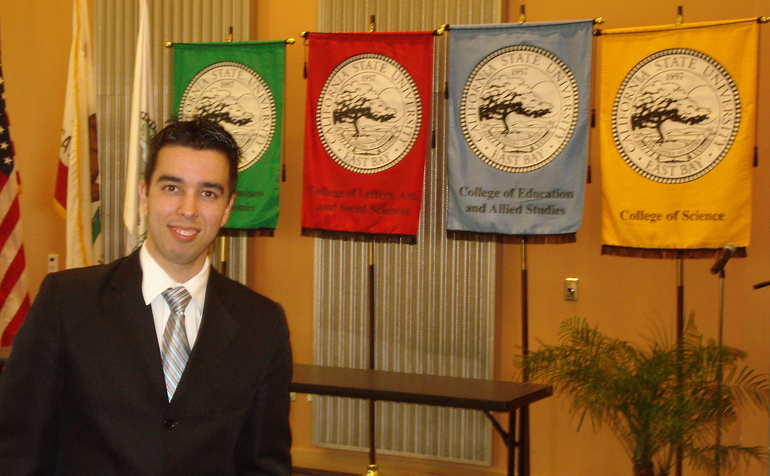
{"points": [[675, 115], [519, 108], [236, 97], [369, 113]]}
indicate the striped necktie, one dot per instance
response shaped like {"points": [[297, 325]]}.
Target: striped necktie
{"points": [[175, 348]]}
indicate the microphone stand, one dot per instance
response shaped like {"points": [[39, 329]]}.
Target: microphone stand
{"points": [[761, 285], [719, 267], [720, 339]]}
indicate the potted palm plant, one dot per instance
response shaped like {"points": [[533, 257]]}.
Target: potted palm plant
{"points": [[659, 398]]}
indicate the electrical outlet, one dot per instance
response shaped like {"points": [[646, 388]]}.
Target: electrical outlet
{"points": [[571, 289], [53, 263]]}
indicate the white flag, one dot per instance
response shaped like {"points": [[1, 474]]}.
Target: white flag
{"points": [[142, 128], [77, 187]]}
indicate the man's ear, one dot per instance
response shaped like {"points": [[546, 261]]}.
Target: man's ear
{"points": [[142, 187], [228, 210]]}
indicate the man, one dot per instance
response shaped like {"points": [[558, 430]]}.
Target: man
{"points": [[97, 383]]}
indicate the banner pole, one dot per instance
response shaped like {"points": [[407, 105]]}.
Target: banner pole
{"points": [[679, 340], [524, 465], [224, 239], [372, 470]]}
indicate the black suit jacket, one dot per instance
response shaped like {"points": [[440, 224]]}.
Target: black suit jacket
{"points": [[84, 393]]}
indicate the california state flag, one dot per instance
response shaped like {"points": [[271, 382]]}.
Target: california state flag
{"points": [[77, 184]]}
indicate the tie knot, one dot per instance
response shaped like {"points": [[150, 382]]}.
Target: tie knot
{"points": [[177, 298]]}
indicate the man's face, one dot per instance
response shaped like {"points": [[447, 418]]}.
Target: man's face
{"points": [[186, 203]]}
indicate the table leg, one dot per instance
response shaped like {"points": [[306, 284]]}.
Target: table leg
{"points": [[523, 442], [509, 437], [511, 442]]}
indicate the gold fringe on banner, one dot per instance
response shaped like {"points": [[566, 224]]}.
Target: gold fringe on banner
{"points": [[659, 253], [233, 232], [511, 239], [362, 237]]}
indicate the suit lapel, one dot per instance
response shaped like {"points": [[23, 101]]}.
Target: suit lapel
{"points": [[216, 331], [123, 298]]}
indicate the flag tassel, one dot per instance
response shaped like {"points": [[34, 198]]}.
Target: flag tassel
{"points": [[305, 35]]}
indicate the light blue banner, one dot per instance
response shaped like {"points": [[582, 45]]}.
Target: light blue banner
{"points": [[518, 127]]}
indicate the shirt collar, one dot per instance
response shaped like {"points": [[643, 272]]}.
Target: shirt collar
{"points": [[155, 280]]}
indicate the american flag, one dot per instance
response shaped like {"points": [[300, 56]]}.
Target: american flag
{"points": [[14, 298]]}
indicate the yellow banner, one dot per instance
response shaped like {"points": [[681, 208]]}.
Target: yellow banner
{"points": [[677, 126]]}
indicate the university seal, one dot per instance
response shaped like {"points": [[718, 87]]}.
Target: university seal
{"points": [[236, 97], [675, 116], [519, 108], [369, 113]]}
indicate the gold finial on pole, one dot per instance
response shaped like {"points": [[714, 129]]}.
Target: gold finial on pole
{"points": [[229, 37], [290, 41], [169, 44], [679, 16], [522, 14], [372, 470], [441, 30], [598, 21], [763, 19], [372, 24]]}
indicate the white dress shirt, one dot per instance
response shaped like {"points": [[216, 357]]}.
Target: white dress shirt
{"points": [[155, 281]]}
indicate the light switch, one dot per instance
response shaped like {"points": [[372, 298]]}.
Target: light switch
{"points": [[571, 289], [53, 263]]}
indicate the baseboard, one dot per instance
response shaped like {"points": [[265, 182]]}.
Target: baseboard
{"points": [[318, 472], [326, 462]]}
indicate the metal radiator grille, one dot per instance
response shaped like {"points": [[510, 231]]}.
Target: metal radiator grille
{"points": [[434, 300], [116, 25]]}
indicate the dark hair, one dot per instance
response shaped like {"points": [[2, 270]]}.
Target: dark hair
{"points": [[198, 134]]}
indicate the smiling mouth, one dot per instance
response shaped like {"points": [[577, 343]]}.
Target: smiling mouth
{"points": [[187, 233]]}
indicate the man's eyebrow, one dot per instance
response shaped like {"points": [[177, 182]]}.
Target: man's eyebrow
{"points": [[215, 185], [169, 178], [173, 178]]}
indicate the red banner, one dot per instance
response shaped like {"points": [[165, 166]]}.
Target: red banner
{"points": [[366, 131]]}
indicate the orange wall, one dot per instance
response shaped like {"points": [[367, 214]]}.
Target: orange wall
{"points": [[34, 43], [283, 265], [627, 297], [632, 297], [624, 296]]}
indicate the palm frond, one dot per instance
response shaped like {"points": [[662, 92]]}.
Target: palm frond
{"points": [[653, 398]]}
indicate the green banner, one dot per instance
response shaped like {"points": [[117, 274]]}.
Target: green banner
{"points": [[240, 86]]}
